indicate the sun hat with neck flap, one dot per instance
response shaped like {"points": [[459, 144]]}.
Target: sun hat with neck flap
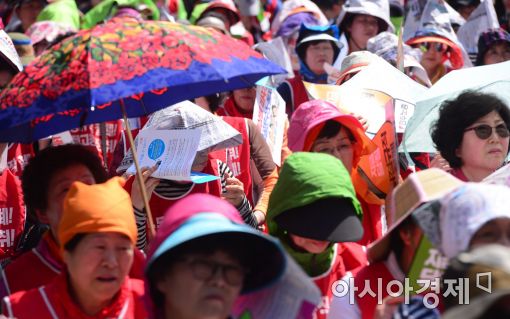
{"points": [[203, 217], [97, 208]]}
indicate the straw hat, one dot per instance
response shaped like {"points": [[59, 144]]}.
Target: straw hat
{"points": [[353, 63], [419, 188]]}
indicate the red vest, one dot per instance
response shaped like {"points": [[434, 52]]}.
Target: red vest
{"points": [[371, 221], [160, 205], [349, 257], [18, 156], [371, 274], [52, 301], [298, 92], [42, 264], [237, 158], [90, 135], [12, 214]]}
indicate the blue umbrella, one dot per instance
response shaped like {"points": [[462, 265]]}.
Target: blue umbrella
{"points": [[124, 63]]}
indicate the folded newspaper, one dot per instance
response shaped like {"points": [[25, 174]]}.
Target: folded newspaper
{"points": [[173, 151]]}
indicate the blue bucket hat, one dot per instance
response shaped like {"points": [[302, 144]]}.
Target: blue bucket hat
{"points": [[203, 217]]}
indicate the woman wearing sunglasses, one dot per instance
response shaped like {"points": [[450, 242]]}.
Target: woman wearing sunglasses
{"points": [[472, 134], [204, 257], [437, 49]]}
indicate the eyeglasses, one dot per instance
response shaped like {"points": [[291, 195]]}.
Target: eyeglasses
{"points": [[205, 270], [439, 47], [484, 131]]}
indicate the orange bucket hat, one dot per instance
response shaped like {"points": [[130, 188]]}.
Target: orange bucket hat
{"points": [[97, 208]]}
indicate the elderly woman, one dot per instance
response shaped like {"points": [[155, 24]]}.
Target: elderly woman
{"points": [[97, 235], [364, 20], [45, 182], [493, 47], [316, 45], [472, 134], [204, 257]]}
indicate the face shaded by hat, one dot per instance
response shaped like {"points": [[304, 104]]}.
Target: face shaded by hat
{"points": [[419, 188], [97, 208], [311, 34], [489, 38], [432, 34], [205, 218], [215, 133], [309, 119], [376, 8], [314, 198], [467, 210], [487, 270], [354, 63]]}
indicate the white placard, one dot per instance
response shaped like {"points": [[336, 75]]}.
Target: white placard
{"points": [[403, 112], [174, 150], [269, 116]]}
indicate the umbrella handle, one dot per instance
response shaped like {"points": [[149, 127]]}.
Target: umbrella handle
{"points": [[145, 198]]}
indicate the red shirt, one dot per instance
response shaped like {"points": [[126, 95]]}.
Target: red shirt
{"points": [[52, 301]]}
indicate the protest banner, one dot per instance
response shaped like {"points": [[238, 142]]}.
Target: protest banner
{"points": [[174, 152], [428, 264], [269, 116]]}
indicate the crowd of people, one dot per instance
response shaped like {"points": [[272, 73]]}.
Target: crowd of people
{"points": [[79, 240]]}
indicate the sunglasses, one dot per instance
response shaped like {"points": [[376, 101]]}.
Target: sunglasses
{"points": [[439, 47], [484, 131], [205, 270]]}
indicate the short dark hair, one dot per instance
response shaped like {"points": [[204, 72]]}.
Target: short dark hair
{"points": [[215, 101], [331, 128], [70, 246], [396, 242], [301, 49], [48, 162], [327, 4], [457, 114]]}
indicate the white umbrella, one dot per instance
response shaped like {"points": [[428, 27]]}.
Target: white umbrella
{"points": [[493, 79]]}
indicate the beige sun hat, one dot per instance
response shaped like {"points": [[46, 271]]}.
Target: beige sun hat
{"points": [[419, 188], [353, 63]]}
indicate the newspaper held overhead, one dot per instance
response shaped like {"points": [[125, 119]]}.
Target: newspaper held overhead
{"points": [[276, 52], [419, 12], [8, 51], [269, 116], [173, 150], [482, 19]]}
